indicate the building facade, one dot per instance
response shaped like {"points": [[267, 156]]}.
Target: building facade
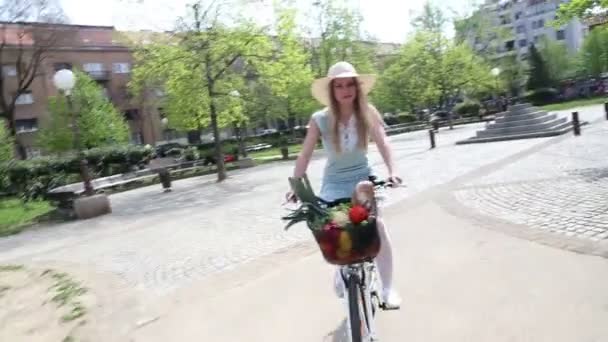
{"points": [[92, 49], [528, 22]]}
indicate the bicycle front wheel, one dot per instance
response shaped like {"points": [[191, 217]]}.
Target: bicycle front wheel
{"points": [[354, 310]]}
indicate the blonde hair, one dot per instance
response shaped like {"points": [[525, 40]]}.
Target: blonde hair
{"points": [[362, 114]]}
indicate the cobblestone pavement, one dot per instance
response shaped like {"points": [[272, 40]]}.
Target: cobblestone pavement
{"points": [[562, 189], [158, 242]]}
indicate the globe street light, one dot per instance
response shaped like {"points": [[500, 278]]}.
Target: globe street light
{"points": [[64, 80]]}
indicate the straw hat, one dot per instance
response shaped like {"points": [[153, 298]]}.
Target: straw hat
{"points": [[320, 87]]}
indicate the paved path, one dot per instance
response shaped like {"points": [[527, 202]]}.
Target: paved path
{"points": [[159, 242], [220, 247], [461, 282]]}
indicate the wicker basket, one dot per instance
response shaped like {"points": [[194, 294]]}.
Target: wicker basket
{"points": [[349, 246]]}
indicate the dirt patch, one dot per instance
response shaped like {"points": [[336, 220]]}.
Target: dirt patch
{"points": [[49, 304], [40, 305]]}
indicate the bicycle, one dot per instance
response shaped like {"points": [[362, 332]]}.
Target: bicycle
{"points": [[360, 285], [359, 279]]}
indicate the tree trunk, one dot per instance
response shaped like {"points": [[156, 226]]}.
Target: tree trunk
{"points": [[241, 141], [219, 156], [19, 149]]}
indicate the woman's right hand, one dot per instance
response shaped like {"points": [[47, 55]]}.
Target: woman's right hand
{"points": [[290, 197]]}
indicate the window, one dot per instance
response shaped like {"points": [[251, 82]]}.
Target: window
{"points": [[523, 43], [510, 45], [121, 68], [518, 15], [9, 70], [26, 125], [560, 35], [25, 98], [32, 152], [62, 65], [93, 67], [521, 29]]}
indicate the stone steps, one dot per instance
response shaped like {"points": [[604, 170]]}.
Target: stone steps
{"points": [[521, 121], [528, 116], [525, 122], [551, 125], [549, 133]]}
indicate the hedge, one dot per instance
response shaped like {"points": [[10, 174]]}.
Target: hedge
{"points": [[468, 108], [542, 96], [33, 178]]}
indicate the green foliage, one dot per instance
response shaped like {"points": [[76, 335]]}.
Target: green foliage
{"points": [[32, 179], [560, 63], [341, 40], [594, 54], [539, 76], [7, 149], [578, 9], [7, 146], [99, 122], [468, 108], [289, 76], [429, 70], [542, 96]]}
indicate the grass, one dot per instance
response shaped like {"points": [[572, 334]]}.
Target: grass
{"points": [[275, 151], [67, 292], [10, 268], [575, 103], [15, 215]]}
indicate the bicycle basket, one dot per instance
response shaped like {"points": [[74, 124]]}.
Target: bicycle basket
{"points": [[344, 246]]}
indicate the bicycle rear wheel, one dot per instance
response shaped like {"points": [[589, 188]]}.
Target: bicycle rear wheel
{"points": [[354, 310]]}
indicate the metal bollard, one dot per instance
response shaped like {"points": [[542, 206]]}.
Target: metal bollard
{"points": [[432, 137], [606, 109], [576, 125], [165, 179]]}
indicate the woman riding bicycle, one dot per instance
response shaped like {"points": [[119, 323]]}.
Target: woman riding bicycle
{"points": [[345, 127]]}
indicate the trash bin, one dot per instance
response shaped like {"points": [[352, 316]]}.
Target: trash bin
{"points": [[165, 179]]}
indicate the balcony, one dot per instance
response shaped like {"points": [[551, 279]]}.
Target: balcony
{"points": [[99, 75]]}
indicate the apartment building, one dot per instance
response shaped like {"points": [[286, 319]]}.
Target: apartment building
{"points": [[92, 49], [528, 21]]}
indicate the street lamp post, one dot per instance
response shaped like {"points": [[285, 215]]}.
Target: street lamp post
{"points": [[238, 129], [64, 81], [496, 72]]}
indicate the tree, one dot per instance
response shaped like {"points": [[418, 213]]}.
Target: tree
{"points": [[339, 38], [431, 70], [289, 75], [203, 65], [594, 54], [538, 74], [25, 47], [579, 9], [6, 144], [99, 122], [560, 63], [480, 30]]}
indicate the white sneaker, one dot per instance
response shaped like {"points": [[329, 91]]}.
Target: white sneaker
{"points": [[338, 284], [391, 298]]}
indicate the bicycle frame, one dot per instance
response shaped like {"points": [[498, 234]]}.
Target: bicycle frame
{"points": [[365, 276]]}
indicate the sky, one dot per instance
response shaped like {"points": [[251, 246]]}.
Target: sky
{"points": [[386, 20]]}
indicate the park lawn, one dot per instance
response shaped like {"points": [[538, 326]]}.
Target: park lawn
{"points": [[275, 151], [14, 215], [575, 103]]}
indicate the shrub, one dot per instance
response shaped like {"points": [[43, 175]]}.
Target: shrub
{"points": [[542, 96], [468, 108], [34, 178]]}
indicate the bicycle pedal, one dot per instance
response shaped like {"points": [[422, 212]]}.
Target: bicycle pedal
{"points": [[385, 307]]}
